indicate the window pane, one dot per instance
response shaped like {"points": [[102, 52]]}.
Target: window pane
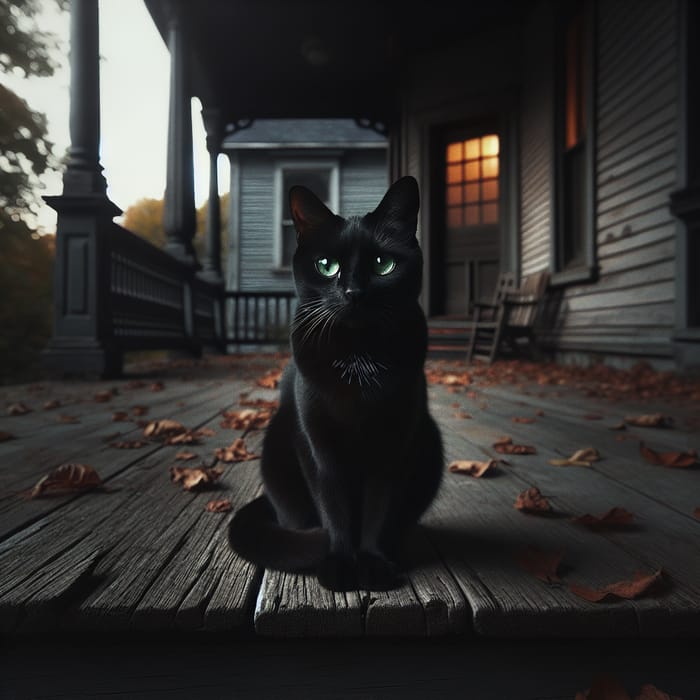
{"points": [[454, 152], [489, 145], [489, 213], [318, 181], [471, 170], [490, 167], [454, 195], [471, 193], [472, 149], [471, 215], [489, 189], [454, 174], [454, 217], [289, 244]]}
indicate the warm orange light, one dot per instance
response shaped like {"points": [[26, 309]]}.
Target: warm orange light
{"points": [[454, 195], [471, 149], [489, 213], [454, 174], [490, 167], [489, 145], [489, 189], [471, 170], [454, 152], [471, 215], [454, 217], [471, 193]]}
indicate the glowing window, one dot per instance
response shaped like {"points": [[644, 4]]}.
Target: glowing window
{"points": [[471, 175]]}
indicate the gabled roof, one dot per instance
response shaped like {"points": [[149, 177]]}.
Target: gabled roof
{"points": [[304, 133]]}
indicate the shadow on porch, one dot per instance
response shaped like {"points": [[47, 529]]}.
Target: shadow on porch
{"points": [[142, 556]]}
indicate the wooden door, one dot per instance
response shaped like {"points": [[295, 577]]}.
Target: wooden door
{"points": [[471, 171]]}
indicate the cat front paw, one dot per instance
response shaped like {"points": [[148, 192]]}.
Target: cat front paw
{"points": [[338, 572], [376, 573]]}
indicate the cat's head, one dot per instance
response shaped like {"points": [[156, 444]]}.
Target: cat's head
{"points": [[358, 270]]}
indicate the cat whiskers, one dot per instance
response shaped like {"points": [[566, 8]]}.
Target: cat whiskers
{"points": [[312, 316]]}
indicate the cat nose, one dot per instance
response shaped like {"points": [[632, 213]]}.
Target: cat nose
{"points": [[353, 294]]}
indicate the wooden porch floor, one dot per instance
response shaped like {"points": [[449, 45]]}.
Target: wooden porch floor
{"points": [[143, 555]]}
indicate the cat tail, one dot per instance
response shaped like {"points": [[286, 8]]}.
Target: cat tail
{"points": [[256, 536]]}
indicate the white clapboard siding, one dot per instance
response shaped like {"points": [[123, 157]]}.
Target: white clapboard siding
{"points": [[630, 309]]}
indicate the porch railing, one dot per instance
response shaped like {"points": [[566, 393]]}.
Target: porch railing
{"points": [[259, 318]]}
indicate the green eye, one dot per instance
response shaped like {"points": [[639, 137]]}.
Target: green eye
{"points": [[383, 265], [328, 267]]}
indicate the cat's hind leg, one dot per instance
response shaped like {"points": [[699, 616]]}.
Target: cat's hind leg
{"points": [[283, 479]]}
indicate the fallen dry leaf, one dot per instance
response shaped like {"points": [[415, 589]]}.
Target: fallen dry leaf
{"points": [[462, 379], [650, 420], [67, 478], [128, 444], [615, 517], [628, 589], [604, 687], [18, 409], [696, 513], [235, 452], [205, 432], [270, 379], [651, 692], [532, 501], [195, 477], [139, 410], [120, 416], [185, 456], [64, 418], [523, 419], [463, 415], [103, 396], [543, 565], [504, 445], [539, 412], [158, 428], [4, 436], [246, 419], [51, 404], [580, 458], [471, 467], [675, 460], [134, 384], [157, 386], [223, 505], [618, 426], [258, 403]]}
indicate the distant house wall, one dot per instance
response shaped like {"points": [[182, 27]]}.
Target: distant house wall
{"points": [[362, 181]]}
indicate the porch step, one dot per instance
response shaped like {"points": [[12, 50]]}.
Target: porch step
{"points": [[448, 337]]}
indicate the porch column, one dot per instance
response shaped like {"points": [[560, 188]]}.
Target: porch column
{"points": [[82, 341], [211, 265], [179, 216]]}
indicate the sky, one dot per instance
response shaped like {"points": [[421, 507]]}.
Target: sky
{"points": [[134, 77]]}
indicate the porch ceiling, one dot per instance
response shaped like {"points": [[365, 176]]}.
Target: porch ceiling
{"points": [[272, 59]]}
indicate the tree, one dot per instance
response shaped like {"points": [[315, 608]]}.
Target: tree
{"points": [[145, 218], [25, 153]]}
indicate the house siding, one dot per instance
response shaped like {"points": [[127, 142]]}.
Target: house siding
{"points": [[364, 180], [362, 183], [629, 309]]}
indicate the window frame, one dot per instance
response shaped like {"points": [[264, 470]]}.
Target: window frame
{"points": [[585, 270], [282, 166]]}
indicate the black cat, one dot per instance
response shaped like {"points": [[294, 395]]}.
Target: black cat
{"points": [[352, 458]]}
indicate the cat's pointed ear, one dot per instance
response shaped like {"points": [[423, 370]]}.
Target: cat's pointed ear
{"points": [[310, 214], [397, 213]]}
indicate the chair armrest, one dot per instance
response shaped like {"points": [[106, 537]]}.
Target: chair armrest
{"points": [[521, 299]]}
